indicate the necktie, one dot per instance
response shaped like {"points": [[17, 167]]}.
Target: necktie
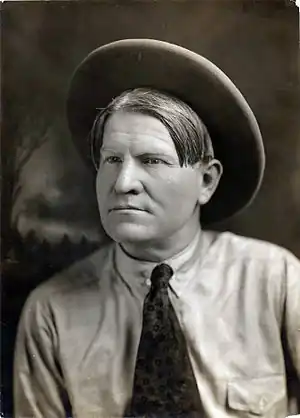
{"points": [[164, 384]]}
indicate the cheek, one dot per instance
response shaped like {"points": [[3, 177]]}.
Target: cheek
{"points": [[180, 190], [102, 187], [98, 186]]}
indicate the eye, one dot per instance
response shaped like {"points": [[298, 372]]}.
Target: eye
{"points": [[153, 161], [112, 159]]}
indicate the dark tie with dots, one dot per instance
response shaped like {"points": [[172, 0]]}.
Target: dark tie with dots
{"points": [[164, 383]]}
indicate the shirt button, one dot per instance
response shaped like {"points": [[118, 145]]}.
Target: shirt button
{"points": [[262, 403]]}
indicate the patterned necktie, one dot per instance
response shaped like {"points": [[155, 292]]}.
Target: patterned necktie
{"points": [[164, 384]]}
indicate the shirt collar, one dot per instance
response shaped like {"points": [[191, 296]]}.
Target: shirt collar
{"points": [[137, 272]]}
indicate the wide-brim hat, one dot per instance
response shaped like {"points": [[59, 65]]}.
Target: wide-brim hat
{"points": [[130, 63]]}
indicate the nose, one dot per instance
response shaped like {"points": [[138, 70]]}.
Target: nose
{"points": [[128, 180]]}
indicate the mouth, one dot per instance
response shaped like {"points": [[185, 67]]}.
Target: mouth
{"points": [[120, 208]]}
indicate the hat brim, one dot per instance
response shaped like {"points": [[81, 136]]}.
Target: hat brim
{"points": [[131, 63]]}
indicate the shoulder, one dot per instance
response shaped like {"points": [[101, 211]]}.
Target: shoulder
{"points": [[231, 247], [81, 277]]}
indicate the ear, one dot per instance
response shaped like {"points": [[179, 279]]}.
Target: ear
{"points": [[210, 174]]}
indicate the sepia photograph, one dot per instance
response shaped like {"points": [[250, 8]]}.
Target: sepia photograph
{"points": [[150, 211]]}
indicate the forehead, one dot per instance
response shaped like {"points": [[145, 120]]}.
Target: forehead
{"points": [[124, 129]]}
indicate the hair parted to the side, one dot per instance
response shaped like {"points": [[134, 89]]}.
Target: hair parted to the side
{"points": [[189, 134]]}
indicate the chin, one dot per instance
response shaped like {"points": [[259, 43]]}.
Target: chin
{"points": [[130, 233]]}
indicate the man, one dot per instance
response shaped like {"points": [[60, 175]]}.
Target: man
{"points": [[169, 319]]}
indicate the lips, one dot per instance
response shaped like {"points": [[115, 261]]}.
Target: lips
{"points": [[125, 207]]}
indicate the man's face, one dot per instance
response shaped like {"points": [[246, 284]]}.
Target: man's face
{"points": [[143, 193]]}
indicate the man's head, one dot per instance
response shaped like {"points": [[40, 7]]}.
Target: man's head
{"points": [[153, 153], [124, 64]]}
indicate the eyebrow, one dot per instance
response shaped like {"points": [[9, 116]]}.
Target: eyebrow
{"points": [[107, 150], [142, 154], [155, 153]]}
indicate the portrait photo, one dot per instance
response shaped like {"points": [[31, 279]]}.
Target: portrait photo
{"points": [[150, 212]]}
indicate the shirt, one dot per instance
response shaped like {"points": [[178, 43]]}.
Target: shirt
{"points": [[237, 300]]}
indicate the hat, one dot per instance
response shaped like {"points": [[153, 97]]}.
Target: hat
{"points": [[131, 63]]}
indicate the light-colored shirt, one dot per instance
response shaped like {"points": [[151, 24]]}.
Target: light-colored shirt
{"points": [[237, 301]]}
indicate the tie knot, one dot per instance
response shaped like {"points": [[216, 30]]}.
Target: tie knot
{"points": [[161, 275]]}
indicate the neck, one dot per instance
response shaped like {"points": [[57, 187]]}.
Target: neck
{"points": [[163, 249]]}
